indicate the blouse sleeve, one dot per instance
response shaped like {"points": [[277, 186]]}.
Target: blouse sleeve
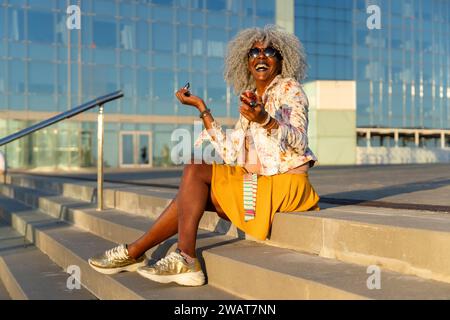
{"points": [[226, 143], [292, 117]]}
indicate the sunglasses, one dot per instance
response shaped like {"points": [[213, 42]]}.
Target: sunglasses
{"points": [[269, 52]]}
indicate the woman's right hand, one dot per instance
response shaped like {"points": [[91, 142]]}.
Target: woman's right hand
{"points": [[190, 100]]}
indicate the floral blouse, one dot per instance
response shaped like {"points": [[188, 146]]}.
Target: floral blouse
{"points": [[285, 148]]}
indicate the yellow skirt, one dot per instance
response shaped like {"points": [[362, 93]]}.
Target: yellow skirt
{"points": [[277, 193]]}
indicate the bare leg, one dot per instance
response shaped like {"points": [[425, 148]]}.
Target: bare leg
{"points": [[192, 198], [164, 227], [195, 177]]}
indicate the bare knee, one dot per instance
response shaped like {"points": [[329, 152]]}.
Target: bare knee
{"points": [[201, 171]]}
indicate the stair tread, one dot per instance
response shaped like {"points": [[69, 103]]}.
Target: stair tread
{"points": [[417, 219], [37, 276], [345, 276], [84, 245], [332, 273], [4, 295]]}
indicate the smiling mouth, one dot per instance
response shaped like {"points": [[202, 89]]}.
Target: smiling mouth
{"points": [[261, 67]]}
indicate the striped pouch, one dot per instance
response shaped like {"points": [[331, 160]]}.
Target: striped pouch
{"points": [[250, 181]]}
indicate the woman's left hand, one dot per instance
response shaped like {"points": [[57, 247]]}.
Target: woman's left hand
{"points": [[257, 114]]}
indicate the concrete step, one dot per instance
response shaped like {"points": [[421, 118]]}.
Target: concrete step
{"points": [[68, 246], [143, 201], [406, 241], [4, 295], [254, 269], [28, 274], [242, 267]]}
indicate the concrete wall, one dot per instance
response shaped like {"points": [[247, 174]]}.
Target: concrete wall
{"points": [[380, 155], [284, 14], [332, 114]]}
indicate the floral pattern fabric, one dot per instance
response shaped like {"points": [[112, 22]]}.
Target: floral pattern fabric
{"points": [[284, 148]]}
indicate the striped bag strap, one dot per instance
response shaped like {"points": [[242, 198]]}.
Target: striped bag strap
{"points": [[250, 181]]}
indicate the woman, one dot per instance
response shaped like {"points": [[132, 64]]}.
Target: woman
{"points": [[267, 150]]}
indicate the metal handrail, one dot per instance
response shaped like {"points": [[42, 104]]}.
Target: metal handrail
{"points": [[68, 114], [63, 115]]}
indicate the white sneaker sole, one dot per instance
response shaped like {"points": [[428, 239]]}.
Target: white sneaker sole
{"points": [[131, 268], [191, 279]]}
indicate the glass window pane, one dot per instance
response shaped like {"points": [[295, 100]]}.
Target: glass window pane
{"points": [[183, 61], [183, 16], [265, 8], [144, 149], [2, 77], [126, 10], [17, 102], [197, 17], [217, 94], [103, 56], [16, 26], [143, 11], [62, 78], [163, 2], [216, 5], [217, 20], [142, 35], [41, 102], [126, 58], [197, 4], [127, 149], [261, 22], [234, 6], [104, 34], [197, 41], [215, 64], [143, 59], [47, 4], [103, 80], [163, 92], [234, 24], [126, 35], [182, 3], [183, 39], [198, 63], [104, 7], [41, 52], [143, 85], [17, 78], [38, 83], [162, 14], [127, 82], [2, 25], [162, 37], [216, 43], [247, 7], [162, 61], [40, 26]]}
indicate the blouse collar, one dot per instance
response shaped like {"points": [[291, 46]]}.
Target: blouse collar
{"points": [[272, 84]]}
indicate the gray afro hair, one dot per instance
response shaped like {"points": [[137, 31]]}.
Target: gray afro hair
{"points": [[236, 61]]}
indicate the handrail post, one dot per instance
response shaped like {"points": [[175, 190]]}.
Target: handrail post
{"points": [[100, 133]]}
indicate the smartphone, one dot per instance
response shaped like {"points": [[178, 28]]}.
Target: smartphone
{"points": [[187, 86]]}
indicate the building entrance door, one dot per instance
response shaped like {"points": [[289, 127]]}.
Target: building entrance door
{"points": [[135, 149]]}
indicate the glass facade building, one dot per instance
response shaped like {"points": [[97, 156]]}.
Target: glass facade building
{"points": [[402, 70], [148, 48]]}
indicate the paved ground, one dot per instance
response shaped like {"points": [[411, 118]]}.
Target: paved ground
{"points": [[425, 184]]}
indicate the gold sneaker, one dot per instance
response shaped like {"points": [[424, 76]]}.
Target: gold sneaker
{"points": [[174, 268], [116, 260]]}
